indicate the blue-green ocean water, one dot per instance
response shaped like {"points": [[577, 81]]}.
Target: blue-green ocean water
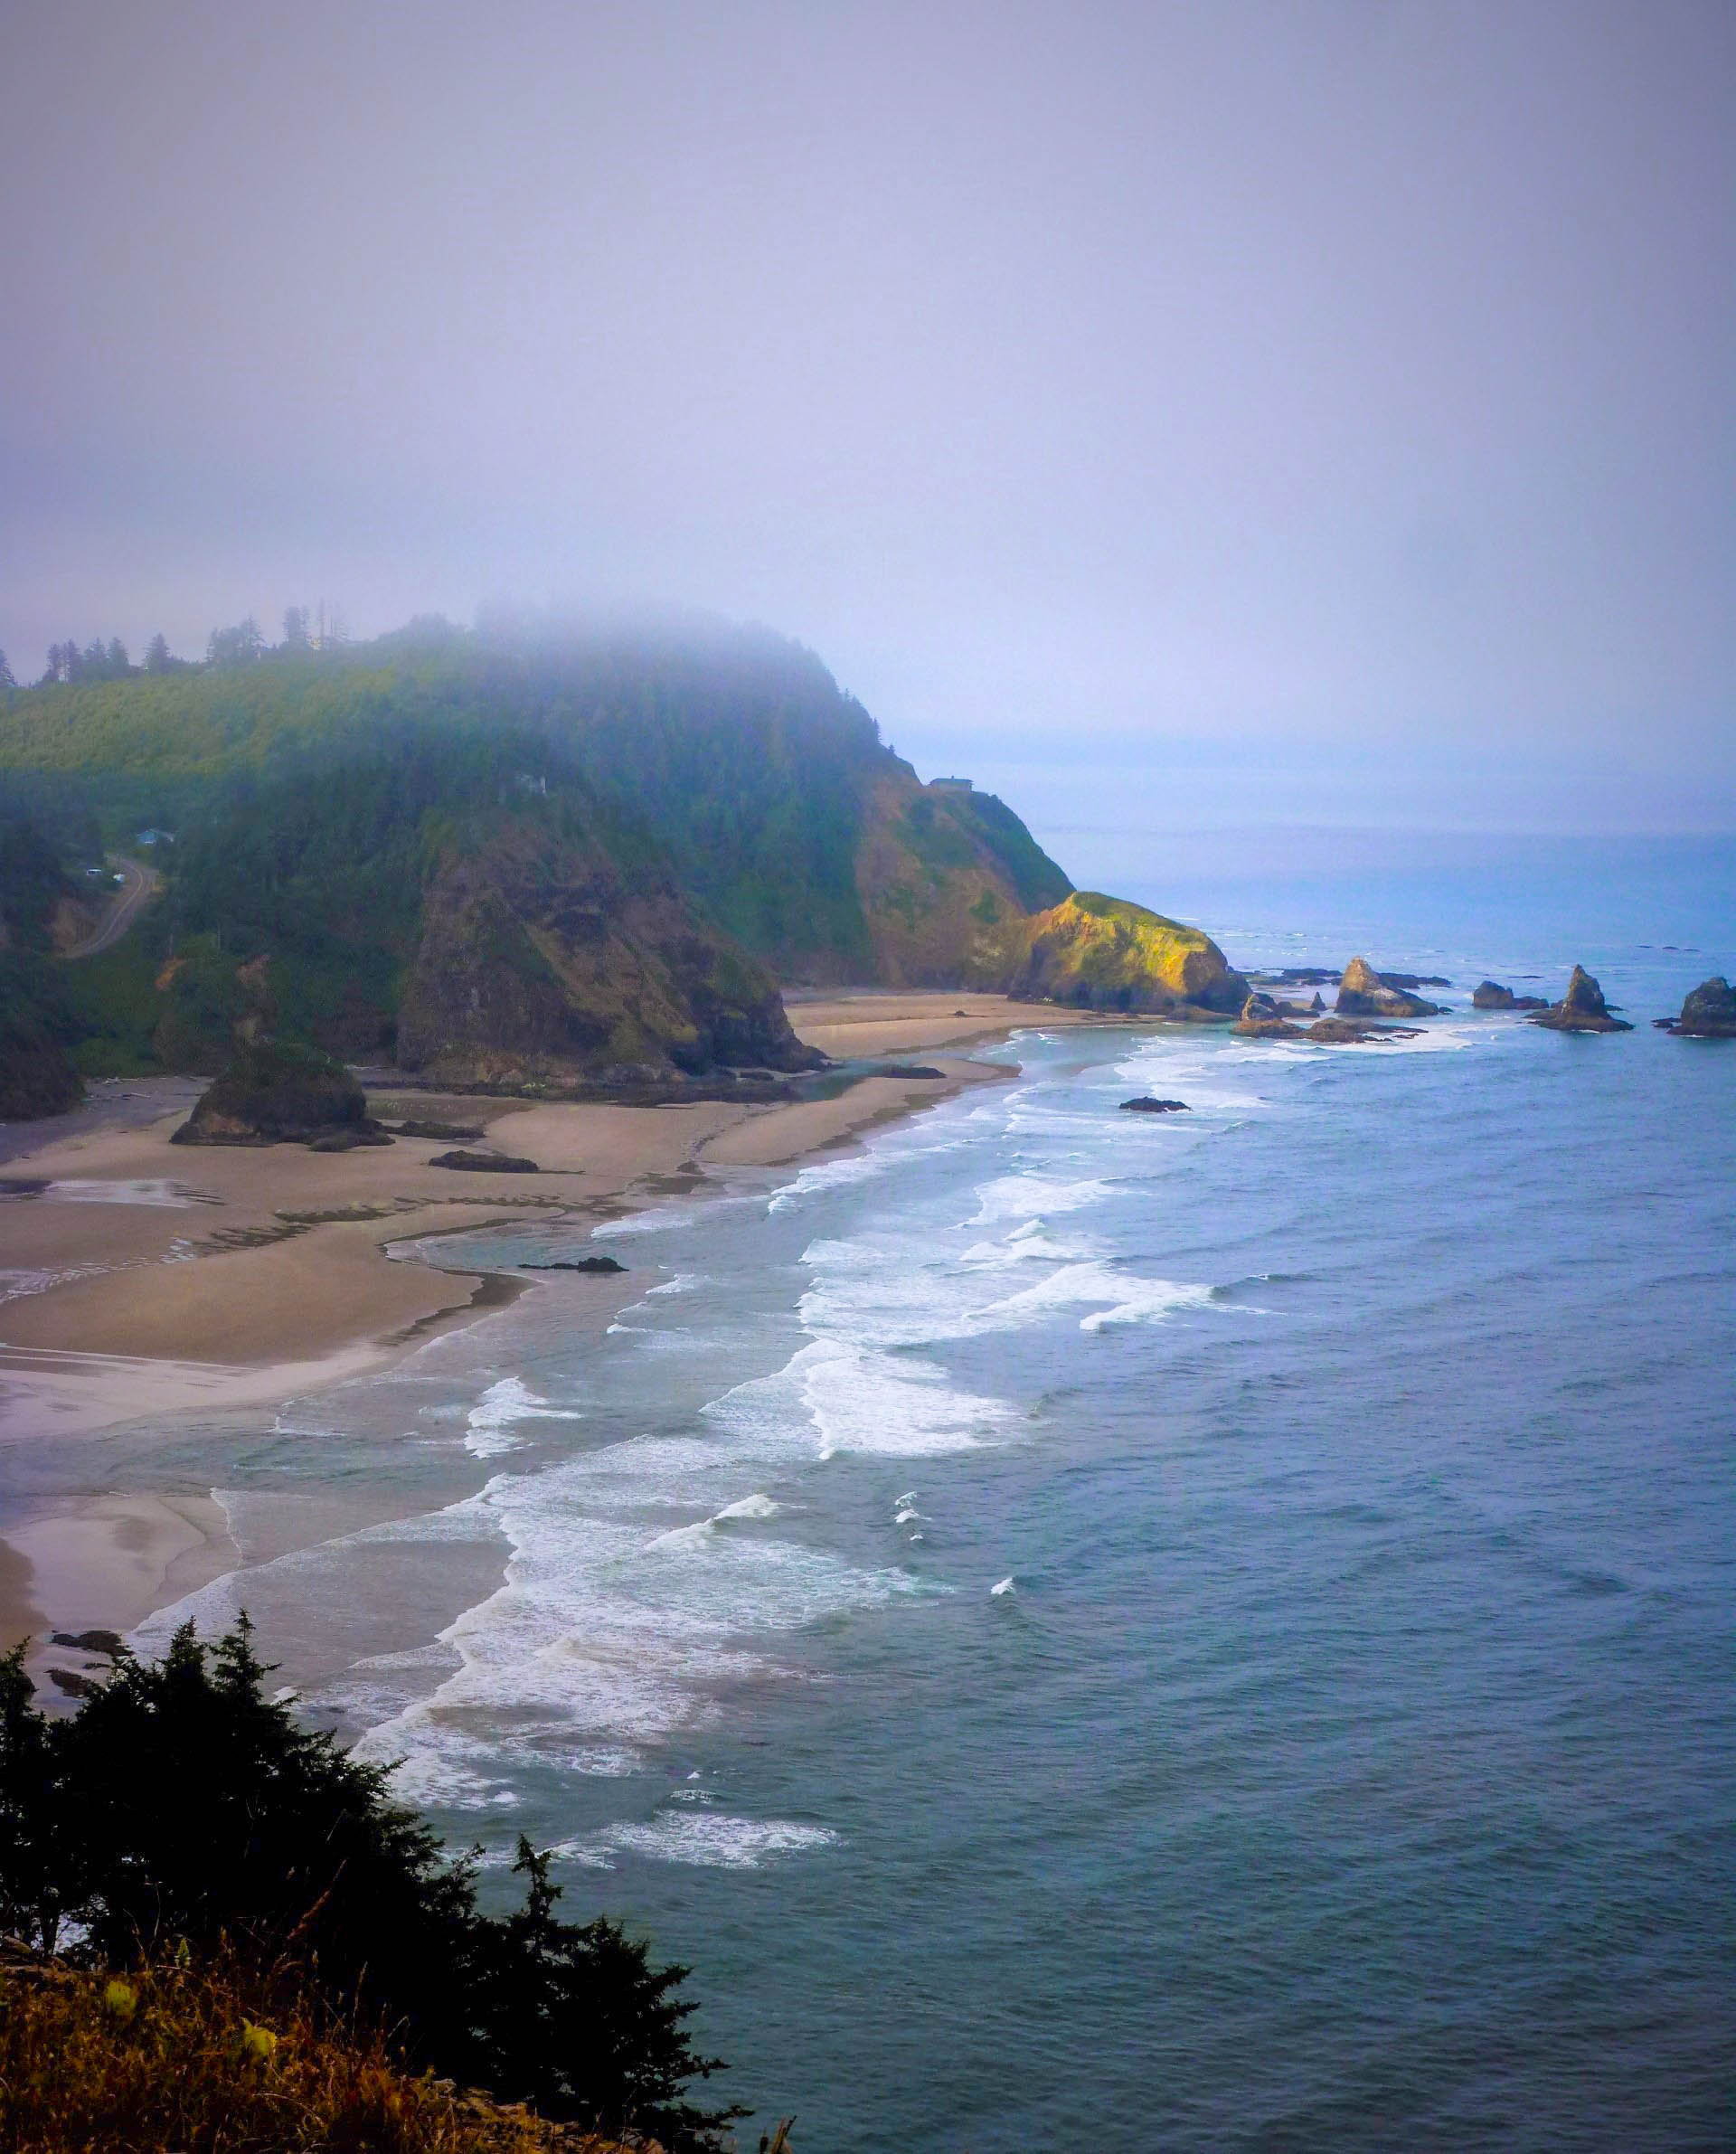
{"points": [[1208, 1631]]}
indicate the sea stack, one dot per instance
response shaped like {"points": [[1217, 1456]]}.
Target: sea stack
{"points": [[1708, 1012], [1490, 995], [1581, 1009], [276, 1091], [1263, 1018], [1365, 992]]}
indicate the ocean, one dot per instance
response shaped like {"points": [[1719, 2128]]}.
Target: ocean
{"points": [[1213, 1630]]}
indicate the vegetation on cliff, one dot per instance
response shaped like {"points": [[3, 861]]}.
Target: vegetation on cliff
{"points": [[181, 1815], [37, 1075], [545, 857], [227, 2057], [1104, 953]]}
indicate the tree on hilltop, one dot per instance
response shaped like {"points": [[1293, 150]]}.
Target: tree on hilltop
{"points": [[241, 646], [158, 657]]}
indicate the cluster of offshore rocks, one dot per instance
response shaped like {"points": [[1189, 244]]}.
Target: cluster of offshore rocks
{"points": [[1374, 1005], [1370, 1006]]}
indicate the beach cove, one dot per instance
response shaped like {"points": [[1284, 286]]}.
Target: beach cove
{"points": [[142, 1280]]}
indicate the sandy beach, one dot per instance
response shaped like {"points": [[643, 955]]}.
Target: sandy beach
{"points": [[139, 1278]]}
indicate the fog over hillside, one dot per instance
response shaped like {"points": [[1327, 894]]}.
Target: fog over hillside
{"points": [[1249, 415]]}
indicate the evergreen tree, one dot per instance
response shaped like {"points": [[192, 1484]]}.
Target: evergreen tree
{"points": [[181, 1806], [6, 680], [295, 629], [241, 646], [157, 655], [120, 665]]}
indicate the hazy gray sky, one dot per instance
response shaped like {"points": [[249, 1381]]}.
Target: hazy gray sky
{"points": [[1239, 407]]}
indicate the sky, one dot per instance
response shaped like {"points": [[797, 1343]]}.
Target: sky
{"points": [[1192, 414]]}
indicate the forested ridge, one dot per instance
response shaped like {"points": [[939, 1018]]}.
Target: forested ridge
{"points": [[309, 799]]}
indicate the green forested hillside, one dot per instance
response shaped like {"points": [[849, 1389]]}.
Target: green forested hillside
{"points": [[298, 786]]}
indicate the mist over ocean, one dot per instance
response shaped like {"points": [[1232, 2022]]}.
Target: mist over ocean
{"points": [[1088, 1630]]}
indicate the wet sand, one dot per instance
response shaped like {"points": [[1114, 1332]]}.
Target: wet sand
{"points": [[140, 1278]]}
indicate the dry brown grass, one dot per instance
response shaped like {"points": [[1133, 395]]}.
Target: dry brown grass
{"points": [[219, 2060]]}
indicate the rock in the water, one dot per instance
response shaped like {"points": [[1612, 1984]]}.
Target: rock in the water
{"points": [[1264, 1018], [1147, 1105], [909, 1069], [1490, 995], [485, 1163], [591, 1264], [73, 1684], [441, 1132], [274, 1092], [1708, 1012], [1581, 1009], [1296, 976], [1411, 981], [1347, 1032], [1364, 993]]}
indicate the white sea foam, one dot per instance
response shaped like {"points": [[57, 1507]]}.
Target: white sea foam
{"points": [[750, 1507], [608, 1634], [490, 1422], [1035, 1196], [710, 1839], [1005, 1586]]}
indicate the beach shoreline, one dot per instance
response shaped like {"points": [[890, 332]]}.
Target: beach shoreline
{"points": [[141, 1281]]}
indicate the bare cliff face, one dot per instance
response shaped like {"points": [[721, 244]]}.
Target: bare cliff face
{"points": [[542, 959]]}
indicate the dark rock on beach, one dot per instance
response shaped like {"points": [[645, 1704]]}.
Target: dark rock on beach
{"points": [[347, 1140], [1364, 993], [275, 1091], [1146, 1105], [589, 1263], [1581, 1009], [485, 1163], [441, 1132], [909, 1069], [1708, 1012], [1490, 995], [110, 1642]]}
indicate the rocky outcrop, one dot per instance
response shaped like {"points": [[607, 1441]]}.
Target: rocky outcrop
{"points": [[1263, 1018], [1103, 953], [276, 1093], [485, 1163], [543, 963], [1348, 1031], [1708, 1012], [1490, 995], [1364, 993], [1581, 1009], [589, 1263], [1145, 1104]]}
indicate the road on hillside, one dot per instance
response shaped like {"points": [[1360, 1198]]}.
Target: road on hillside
{"points": [[140, 886]]}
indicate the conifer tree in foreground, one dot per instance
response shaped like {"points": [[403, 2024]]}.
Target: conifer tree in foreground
{"points": [[180, 1807]]}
